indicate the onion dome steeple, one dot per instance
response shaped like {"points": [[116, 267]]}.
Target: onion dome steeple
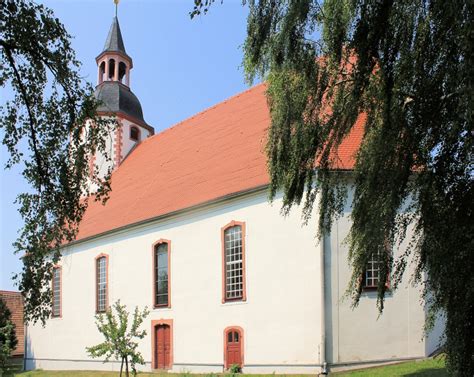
{"points": [[113, 82], [117, 101]]}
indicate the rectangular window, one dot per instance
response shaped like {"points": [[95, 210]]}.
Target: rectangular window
{"points": [[161, 274], [56, 292], [101, 276], [371, 276], [233, 263]]}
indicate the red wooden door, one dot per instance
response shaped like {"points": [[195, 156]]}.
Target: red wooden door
{"points": [[163, 347], [233, 348]]}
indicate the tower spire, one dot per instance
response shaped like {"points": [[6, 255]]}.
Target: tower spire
{"points": [[113, 62], [116, 99]]}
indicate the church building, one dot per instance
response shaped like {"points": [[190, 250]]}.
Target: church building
{"points": [[189, 232]]}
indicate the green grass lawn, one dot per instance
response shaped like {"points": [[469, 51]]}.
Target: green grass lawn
{"points": [[425, 368]]}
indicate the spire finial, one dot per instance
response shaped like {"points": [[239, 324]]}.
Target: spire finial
{"points": [[116, 6]]}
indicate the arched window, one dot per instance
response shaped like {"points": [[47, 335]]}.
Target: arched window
{"points": [[122, 71], [101, 72], [134, 133], [233, 249], [161, 273], [111, 69], [102, 282]]}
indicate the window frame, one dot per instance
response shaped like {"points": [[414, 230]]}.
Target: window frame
{"points": [[371, 288], [55, 268], [138, 133], [96, 264], [154, 277], [244, 274]]}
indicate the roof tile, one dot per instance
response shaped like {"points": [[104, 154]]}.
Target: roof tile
{"points": [[215, 153]]}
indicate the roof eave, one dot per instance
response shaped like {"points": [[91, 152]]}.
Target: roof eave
{"points": [[150, 220]]}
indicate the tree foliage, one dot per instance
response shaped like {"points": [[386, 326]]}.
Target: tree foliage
{"points": [[119, 339], [44, 126], [408, 68], [8, 340]]}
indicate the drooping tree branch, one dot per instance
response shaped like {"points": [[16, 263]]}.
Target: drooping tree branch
{"points": [[407, 67], [50, 107]]}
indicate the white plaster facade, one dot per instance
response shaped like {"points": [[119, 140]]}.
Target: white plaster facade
{"points": [[118, 145], [281, 317]]}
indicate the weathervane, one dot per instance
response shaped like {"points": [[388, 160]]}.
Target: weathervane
{"points": [[116, 6]]}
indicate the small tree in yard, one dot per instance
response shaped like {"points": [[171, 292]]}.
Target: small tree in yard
{"points": [[8, 340], [120, 342]]}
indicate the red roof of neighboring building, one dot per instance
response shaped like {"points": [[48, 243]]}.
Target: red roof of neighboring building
{"points": [[215, 153], [14, 302]]}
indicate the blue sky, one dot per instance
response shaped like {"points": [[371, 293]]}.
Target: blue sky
{"points": [[181, 66]]}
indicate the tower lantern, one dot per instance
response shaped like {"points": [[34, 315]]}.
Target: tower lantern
{"points": [[116, 98], [113, 62]]}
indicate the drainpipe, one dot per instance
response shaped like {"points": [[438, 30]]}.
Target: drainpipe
{"points": [[324, 366], [25, 346]]}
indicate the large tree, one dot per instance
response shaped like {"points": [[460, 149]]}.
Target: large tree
{"points": [[408, 66], [43, 123]]}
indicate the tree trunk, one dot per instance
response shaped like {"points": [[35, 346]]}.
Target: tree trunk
{"points": [[121, 367], [126, 366]]}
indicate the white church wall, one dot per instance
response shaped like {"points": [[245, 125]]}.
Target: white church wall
{"points": [[282, 314], [118, 145], [280, 319], [127, 143], [360, 334], [99, 160]]}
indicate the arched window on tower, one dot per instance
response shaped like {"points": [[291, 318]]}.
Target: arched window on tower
{"points": [[102, 72], [111, 69], [122, 72], [134, 133]]}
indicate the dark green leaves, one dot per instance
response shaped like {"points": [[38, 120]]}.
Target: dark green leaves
{"points": [[408, 66], [8, 339], [50, 126]]}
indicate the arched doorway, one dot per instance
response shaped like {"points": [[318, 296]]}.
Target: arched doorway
{"points": [[162, 346], [233, 347]]}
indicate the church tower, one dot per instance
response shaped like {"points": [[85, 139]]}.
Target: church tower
{"points": [[117, 100]]}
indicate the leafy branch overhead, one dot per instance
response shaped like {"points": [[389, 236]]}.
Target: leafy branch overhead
{"points": [[50, 128], [406, 68]]}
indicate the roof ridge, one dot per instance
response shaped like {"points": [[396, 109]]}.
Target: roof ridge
{"points": [[202, 112]]}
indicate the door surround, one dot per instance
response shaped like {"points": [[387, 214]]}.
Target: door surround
{"points": [[154, 324], [241, 333]]}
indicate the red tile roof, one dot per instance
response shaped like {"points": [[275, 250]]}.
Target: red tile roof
{"points": [[14, 302], [215, 153]]}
